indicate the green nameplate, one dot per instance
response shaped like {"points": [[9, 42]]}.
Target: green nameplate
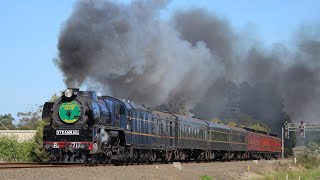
{"points": [[69, 112]]}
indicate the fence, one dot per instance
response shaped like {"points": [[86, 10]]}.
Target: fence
{"points": [[21, 135]]}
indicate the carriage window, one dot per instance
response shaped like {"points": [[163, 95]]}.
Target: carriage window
{"points": [[197, 133], [194, 133], [122, 110]]}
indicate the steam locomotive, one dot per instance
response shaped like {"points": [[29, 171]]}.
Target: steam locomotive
{"points": [[91, 129]]}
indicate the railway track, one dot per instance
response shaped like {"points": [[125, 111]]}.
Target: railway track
{"points": [[35, 165], [55, 165]]}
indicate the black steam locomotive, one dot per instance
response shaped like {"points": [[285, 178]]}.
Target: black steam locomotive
{"points": [[86, 128]]}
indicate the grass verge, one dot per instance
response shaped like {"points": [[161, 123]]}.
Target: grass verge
{"points": [[305, 174]]}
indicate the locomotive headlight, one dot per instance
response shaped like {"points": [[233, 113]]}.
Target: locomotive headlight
{"points": [[68, 93]]}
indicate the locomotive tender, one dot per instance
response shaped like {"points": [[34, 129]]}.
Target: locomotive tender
{"points": [[86, 128]]}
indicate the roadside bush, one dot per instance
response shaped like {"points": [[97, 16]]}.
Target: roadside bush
{"points": [[293, 174], [13, 151], [288, 152], [37, 153], [308, 160], [206, 177]]}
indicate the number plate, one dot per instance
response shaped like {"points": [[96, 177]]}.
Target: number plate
{"points": [[55, 145], [67, 132], [75, 145]]}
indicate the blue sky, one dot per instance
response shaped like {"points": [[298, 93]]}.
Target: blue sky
{"points": [[29, 33]]}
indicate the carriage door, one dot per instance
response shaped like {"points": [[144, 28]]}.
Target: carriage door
{"points": [[153, 138]]}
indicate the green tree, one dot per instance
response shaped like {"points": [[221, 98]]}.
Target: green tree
{"points": [[213, 105], [312, 137], [53, 98], [258, 127], [233, 124], [313, 147], [38, 154], [263, 102], [231, 107], [216, 120], [247, 121], [176, 104], [28, 120], [6, 121]]}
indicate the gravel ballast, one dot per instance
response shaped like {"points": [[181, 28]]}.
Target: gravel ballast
{"points": [[217, 170]]}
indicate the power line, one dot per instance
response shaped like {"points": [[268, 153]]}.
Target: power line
{"points": [[3, 125]]}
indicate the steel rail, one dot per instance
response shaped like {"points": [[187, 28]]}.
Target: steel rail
{"points": [[35, 165]]}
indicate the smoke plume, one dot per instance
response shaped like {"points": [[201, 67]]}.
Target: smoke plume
{"points": [[128, 51]]}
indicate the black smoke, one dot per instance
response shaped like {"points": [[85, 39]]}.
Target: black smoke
{"points": [[128, 51]]}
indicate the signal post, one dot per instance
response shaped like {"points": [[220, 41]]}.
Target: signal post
{"points": [[302, 127]]}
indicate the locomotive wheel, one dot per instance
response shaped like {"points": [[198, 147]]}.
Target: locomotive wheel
{"points": [[91, 161], [117, 162], [126, 161], [127, 158], [269, 157], [149, 161], [187, 160], [65, 158], [130, 161]]}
